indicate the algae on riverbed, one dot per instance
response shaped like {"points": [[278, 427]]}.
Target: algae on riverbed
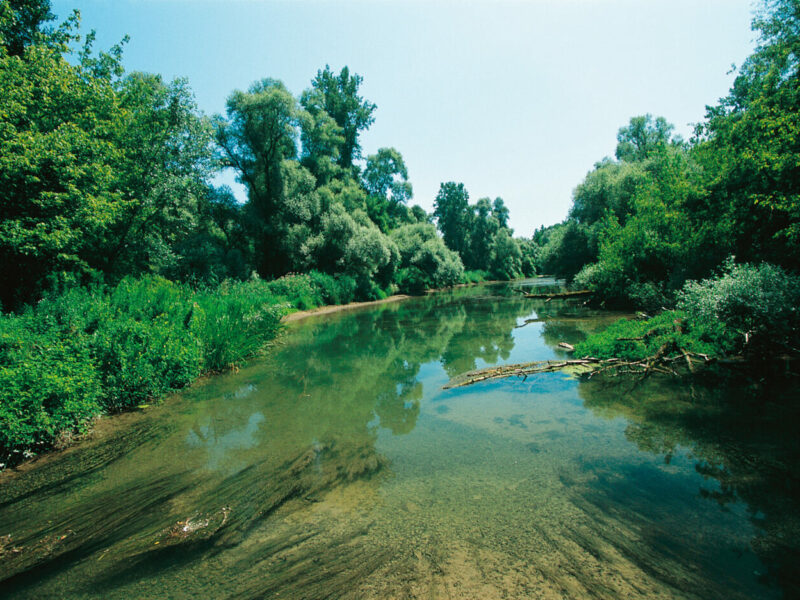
{"points": [[339, 468]]}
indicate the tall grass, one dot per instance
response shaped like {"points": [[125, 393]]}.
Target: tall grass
{"points": [[88, 351]]}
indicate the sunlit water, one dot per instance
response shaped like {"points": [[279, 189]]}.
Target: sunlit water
{"points": [[340, 468]]}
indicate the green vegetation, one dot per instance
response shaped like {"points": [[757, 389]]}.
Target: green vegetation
{"points": [[88, 351], [126, 273], [666, 212], [749, 310]]}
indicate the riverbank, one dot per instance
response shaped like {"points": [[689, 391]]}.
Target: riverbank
{"points": [[91, 351], [334, 308]]}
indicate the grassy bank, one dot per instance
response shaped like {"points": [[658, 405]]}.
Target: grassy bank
{"points": [[750, 311], [92, 351]]}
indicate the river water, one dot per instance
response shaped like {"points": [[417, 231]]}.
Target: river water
{"points": [[339, 467]]}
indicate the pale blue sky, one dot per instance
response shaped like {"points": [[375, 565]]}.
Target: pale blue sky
{"points": [[514, 99]]}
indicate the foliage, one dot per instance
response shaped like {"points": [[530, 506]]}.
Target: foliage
{"points": [[667, 211], [451, 211], [99, 175], [475, 276], [425, 262], [505, 257], [567, 249], [643, 137], [22, 24], [257, 140], [337, 95], [235, 320], [83, 351], [48, 384], [386, 176], [750, 308], [667, 334], [758, 302]]}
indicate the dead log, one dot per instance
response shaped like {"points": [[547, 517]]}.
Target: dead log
{"points": [[560, 294], [660, 363], [521, 369]]}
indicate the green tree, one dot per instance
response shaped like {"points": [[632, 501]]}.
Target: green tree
{"points": [[385, 179], [58, 183], [22, 24], [386, 176], [482, 228], [425, 262], [258, 137], [641, 137], [337, 96], [750, 145], [500, 212], [505, 257], [451, 209], [163, 171], [322, 139]]}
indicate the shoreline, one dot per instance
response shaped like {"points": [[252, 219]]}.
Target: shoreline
{"points": [[334, 308], [101, 423]]}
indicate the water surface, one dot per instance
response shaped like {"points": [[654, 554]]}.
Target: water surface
{"points": [[340, 468]]}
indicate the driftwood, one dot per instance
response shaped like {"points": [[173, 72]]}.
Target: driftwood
{"points": [[561, 294], [660, 363], [521, 369]]}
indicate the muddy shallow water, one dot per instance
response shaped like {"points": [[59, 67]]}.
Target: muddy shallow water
{"points": [[340, 468]]}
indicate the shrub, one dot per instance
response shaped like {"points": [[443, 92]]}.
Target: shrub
{"points": [[146, 343], [49, 383], [235, 321], [298, 291], [758, 302], [668, 332], [334, 289], [475, 276]]}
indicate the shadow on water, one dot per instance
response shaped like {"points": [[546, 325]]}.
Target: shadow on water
{"points": [[339, 468], [740, 435]]}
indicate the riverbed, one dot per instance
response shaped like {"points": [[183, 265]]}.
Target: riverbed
{"points": [[339, 467]]}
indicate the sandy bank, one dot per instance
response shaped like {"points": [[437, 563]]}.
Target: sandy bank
{"points": [[324, 310]]}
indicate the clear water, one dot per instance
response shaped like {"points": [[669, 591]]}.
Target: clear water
{"points": [[340, 468]]}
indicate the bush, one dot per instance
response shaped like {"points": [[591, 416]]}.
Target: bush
{"points": [[758, 302], [334, 289], [235, 322], [147, 342], [84, 351], [669, 332], [296, 290], [425, 262], [475, 276], [49, 383]]}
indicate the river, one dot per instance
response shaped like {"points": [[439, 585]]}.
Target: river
{"points": [[339, 467]]}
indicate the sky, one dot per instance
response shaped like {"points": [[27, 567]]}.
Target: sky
{"points": [[516, 99]]}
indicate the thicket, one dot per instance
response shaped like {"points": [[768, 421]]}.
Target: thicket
{"points": [[125, 273], [747, 310], [665, 211], [93, 350]]}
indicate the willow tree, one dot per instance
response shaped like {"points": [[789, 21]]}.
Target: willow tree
{"points": [[259, 135]]}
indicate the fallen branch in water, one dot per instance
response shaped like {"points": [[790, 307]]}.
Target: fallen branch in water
{"points": [[658, 363], [561, 294], [522, 369]]}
